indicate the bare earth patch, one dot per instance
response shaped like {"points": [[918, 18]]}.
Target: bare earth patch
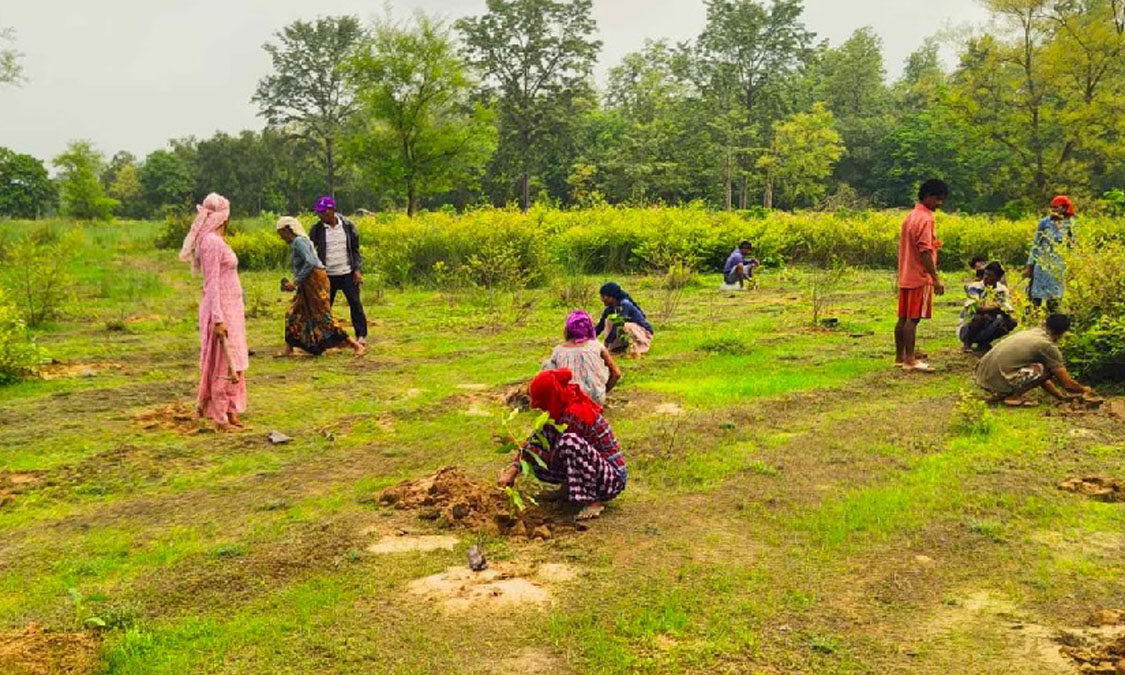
{"points": [[1101, 488], [34, 651], [529, 661], [407, 543], [451, 499], [179, 417], [64, 371], [14, 483], [459, 589]]}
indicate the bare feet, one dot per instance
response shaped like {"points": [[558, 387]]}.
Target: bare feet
{"points": [[234, 420], [285, 353], [360, 349], [590, 511]]}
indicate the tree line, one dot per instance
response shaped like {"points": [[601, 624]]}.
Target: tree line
{"points": [[501, 108]]}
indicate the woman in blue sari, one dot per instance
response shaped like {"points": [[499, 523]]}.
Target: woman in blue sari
{"points": [[1045, 265]]}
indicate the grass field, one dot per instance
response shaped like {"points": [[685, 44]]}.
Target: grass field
{"points": [[795, 504]]}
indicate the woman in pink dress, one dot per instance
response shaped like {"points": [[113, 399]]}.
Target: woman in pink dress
{"points": [[223, 357]]}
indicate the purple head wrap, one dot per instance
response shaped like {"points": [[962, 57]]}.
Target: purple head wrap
{"points": [[325, 203], [580, 327]]}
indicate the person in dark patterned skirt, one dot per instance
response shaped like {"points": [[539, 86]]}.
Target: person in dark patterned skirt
{"points": [[309, 323], [584, 457]]}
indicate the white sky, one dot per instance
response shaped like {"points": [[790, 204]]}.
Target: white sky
{"points": [[131, 74]]}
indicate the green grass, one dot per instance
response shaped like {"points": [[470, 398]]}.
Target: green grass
{"points": [[782, 479]]}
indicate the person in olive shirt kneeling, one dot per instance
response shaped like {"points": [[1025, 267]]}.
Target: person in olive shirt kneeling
{"points": [[1027, 360]]}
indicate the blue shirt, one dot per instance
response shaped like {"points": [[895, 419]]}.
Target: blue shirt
{"points": [[629, 312], [304, 259]]}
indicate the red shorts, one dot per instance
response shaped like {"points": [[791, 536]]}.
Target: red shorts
{"points": [[916, 303]]}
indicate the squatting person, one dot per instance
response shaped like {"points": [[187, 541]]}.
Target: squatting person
{"points": [[585, 357], [1027, 360], [739, 267], [987, 313], [584, 457]]}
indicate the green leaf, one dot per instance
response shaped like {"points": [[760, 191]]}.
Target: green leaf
{"points": [[96, 621]]}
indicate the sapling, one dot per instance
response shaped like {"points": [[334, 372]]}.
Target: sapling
{"points": [[508, 442]]}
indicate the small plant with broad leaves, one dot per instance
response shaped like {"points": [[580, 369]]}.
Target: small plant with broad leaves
{"points": [[84, 617], [618, 323], [508, 442]]}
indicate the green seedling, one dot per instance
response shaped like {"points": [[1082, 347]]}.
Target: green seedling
{"points": [[507, 442]]}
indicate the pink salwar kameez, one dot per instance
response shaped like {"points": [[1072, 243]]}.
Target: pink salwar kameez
{"points": [[218, 396]]}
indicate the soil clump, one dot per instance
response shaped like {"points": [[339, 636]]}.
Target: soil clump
{"points": [[452, 500], [179, 417], [34, 651], [1099, 488]]}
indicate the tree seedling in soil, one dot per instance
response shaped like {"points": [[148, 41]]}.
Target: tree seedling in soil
{"points": [[507, 443], [84, 617]]}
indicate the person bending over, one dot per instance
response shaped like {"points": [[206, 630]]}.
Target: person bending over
{"points": [[1027, 360], [987, 314]]}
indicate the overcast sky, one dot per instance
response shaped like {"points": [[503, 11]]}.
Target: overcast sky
{"points": [[130, 74]]}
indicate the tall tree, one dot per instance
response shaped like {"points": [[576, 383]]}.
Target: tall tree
{"points": [[166, 179], [748, 56], [126, 189], [850, 80], [120, 160], [308, 92], [804, 150], [659, 147], [11, 70], [26, 191], [535, 55], [418, 128], [79, 181]]}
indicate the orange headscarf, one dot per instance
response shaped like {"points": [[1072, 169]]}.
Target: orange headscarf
{"points": [[1066, 203], [552, 390]]}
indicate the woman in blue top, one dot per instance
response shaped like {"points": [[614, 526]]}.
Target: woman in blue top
{"points": [[309, 323], [630, 330], [1045, 265]]}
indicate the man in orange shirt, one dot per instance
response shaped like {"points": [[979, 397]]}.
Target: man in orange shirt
{"points": [[918, 278]]}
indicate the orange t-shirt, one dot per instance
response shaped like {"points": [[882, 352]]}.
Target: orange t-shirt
{"points": [[917, 239]]}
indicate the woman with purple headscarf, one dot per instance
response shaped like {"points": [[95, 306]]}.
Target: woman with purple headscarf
{"points": [[223, 356], [585, 357]]}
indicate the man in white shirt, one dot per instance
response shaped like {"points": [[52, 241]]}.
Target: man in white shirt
{"points": [[336, 240]]}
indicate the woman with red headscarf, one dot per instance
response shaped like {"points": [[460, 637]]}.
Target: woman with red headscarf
{"points": [[223, 356], [580, 452], [1045, 266]]}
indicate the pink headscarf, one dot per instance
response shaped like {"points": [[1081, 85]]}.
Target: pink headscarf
{"points": [[580, 327], [212, 213]]}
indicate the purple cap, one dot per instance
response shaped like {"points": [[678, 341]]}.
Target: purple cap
{"points": [[325, 203]]}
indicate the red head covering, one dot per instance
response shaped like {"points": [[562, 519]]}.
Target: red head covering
{"points": [[552, 390], [1066, 203]]}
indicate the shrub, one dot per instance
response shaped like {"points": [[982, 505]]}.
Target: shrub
{"points": [[1095, 300], [36, 273], [19, 355]]}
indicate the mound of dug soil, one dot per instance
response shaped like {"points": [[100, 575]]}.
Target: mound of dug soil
{"points": [[33, 651], [452, 499], [179, 417], [1096, 487], [1104, 657]]}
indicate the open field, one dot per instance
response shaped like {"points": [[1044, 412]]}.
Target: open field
{"points": [[795, 505]]}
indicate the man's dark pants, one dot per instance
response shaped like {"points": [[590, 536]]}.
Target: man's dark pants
{"points": [[347, 284], [983, 330]]}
